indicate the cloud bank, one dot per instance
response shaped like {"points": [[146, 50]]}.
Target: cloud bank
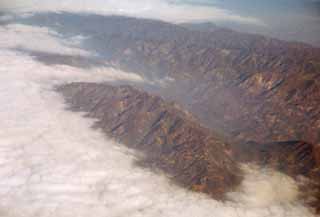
{"points": [[52, 163], [154, 9]]}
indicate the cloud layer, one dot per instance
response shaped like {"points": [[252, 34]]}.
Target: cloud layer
{"points": [[155, 9]]}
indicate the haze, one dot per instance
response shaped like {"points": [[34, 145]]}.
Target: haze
{"points": [[296, 20]]}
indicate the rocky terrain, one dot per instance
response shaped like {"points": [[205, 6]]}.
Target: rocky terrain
{"points": [[170, 138], [291, 157], [173, 141]]}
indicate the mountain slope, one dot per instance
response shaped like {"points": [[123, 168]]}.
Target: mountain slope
{"points": [[170, 138], [173, 141]]}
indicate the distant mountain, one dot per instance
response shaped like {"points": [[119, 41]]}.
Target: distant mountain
{"points": [[203, 27]]}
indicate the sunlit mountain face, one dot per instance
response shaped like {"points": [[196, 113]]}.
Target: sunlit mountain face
{"points": [[159, 108]]}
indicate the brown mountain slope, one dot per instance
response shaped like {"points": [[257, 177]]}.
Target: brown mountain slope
{"points": [[251, 89], [291, 157], [174, 142], [170, 138]]}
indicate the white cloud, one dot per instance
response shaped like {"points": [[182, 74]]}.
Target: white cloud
{"points": [[53, 164], [274, 187], [39, 39], [156, 9]]}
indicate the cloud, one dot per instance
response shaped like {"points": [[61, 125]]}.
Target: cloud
{"points": [[273, 187], [54, 164], [40, 39], [49, 47], [155, 9]]}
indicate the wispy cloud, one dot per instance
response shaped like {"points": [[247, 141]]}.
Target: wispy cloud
{"points": [[155, 9], [39, 39]]}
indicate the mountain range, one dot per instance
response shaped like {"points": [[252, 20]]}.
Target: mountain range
{"points": [[224, 97]]}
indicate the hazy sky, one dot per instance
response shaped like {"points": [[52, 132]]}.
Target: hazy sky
{"points": [[297, 20], [157, 9], [287, 19]]}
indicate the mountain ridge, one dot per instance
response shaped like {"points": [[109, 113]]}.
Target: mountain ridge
{"points": [[174, 142], [169, 137], [249, 87]]}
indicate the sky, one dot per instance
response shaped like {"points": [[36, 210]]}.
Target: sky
{"points": [[296, 20], [157, 9]]}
